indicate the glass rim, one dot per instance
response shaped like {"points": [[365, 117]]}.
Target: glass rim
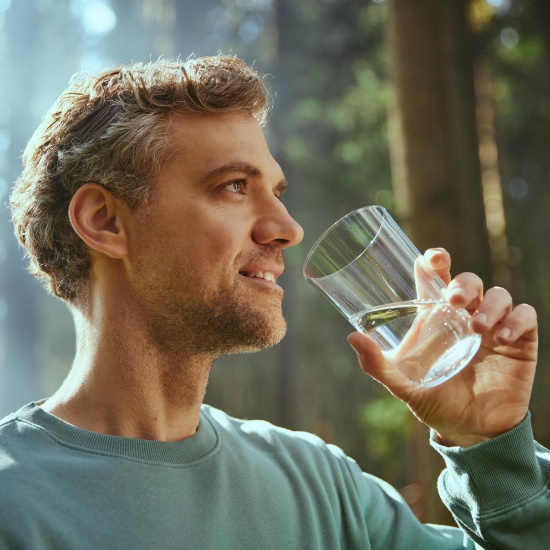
{"points": [[330, 229]]}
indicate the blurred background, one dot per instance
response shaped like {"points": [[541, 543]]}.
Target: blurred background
{"points": [[437, 109]]}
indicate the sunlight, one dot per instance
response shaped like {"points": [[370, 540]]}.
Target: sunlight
{"points": [[97, 16]]}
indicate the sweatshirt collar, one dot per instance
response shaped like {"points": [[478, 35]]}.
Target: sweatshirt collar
{"points": [[200, 446]]}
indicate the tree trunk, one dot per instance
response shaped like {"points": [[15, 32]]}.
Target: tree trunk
{"points": [[435, 159]]}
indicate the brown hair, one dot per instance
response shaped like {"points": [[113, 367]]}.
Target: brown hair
{"points": [[110, 129]]}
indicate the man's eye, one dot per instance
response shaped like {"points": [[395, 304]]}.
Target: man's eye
{"points": [[236, 187]]}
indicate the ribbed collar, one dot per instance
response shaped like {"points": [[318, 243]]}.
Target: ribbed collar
{"points": [[185, 452]]}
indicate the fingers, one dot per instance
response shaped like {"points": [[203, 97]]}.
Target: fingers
{"points": [[515, 323], [465, 290], [496, 311], [489, 310], [367, 351], [496, 304], [434, 259], [521, 322], [440, 260]]}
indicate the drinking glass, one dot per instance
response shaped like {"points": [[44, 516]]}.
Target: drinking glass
{"points": [[368, 268]]}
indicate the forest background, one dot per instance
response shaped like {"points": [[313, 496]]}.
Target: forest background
{"points": [[438, 110]]}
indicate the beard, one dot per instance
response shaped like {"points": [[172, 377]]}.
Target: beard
{"points": [[225, 324], [214, 323]]}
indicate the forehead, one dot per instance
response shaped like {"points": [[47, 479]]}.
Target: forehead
{"points": [[214, 134]]}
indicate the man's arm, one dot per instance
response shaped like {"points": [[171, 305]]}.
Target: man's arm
{"points": [[499, 490], [485, 401]]}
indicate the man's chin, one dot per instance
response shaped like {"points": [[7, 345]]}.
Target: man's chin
{"points": [[238, 324], [255, 337]]}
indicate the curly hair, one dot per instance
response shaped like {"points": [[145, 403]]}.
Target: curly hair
{"points": [[110, 129]]}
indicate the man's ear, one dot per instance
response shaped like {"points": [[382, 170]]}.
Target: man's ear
{"points": [[100, 220]]}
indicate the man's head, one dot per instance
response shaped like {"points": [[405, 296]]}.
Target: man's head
{"points": [[111, 130]]}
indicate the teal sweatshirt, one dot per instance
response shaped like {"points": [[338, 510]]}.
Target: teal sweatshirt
{"points": [[247, 485]]}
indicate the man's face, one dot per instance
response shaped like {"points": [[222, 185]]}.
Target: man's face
{"points": [[207, 251]]}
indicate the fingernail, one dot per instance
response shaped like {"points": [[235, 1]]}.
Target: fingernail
{"points": [[457, 297], [505, 333], [458, 292], [482, 318]]}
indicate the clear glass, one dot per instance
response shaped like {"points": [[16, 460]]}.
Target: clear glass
{"points": [[369, 269]]}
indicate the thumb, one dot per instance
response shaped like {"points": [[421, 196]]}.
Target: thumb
{"points": [[373, 363]]}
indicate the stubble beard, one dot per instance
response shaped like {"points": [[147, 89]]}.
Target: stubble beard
{"points": [[217, 324], [229, 324]]}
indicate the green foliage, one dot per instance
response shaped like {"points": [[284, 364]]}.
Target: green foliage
{"points": [[386, 420]]}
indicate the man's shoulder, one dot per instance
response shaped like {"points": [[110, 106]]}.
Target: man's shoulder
{"points": [[6, 422], [17, 442], [269, 437], [256, 427], [6, 430], [18, 463], [9, 438]]}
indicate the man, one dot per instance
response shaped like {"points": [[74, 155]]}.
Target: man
{"points": [[150, 203]]}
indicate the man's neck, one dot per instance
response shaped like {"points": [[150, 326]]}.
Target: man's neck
{"points": [[120, 384]]}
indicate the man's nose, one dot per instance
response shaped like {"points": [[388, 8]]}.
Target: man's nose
{"points": [[276, 225]]}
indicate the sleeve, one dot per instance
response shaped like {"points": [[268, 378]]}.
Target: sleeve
{"points": [[389, 523], [498, 491]]}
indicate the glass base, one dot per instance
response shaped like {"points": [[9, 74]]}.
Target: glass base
{"points": [[451, 362]]}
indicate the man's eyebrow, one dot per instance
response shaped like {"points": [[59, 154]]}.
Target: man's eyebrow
{"points": [[242, 167]]}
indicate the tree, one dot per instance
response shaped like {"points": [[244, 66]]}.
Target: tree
{"points": [[435, 160]]}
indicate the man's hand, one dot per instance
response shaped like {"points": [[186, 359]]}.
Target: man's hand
{"points": [[491, 395]]}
